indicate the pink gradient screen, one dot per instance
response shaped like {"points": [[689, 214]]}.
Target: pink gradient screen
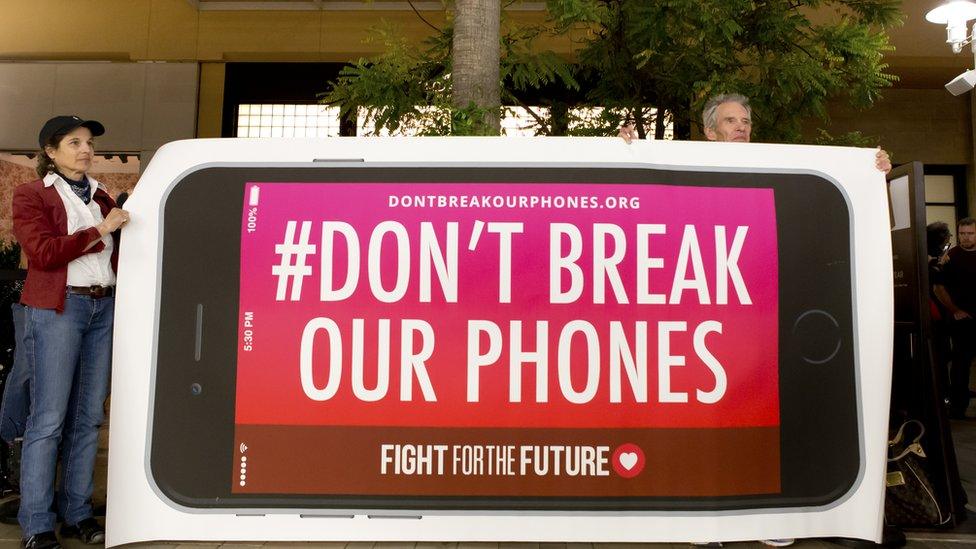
{"points": [[519, 308]]}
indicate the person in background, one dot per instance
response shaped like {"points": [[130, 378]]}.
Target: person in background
{"points": [[959, 301], [728, 118], [67, 225], [16, 395]]}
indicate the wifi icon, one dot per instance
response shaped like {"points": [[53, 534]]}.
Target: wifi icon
{"points": [[243, 447]]}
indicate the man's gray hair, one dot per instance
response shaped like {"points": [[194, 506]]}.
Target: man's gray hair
{"points": [[709, 116]]}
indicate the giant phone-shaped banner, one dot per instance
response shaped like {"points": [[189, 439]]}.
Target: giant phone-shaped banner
{"points": [[540, 340]]}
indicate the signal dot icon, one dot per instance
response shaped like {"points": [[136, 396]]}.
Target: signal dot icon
{"points": [[243, 463]]}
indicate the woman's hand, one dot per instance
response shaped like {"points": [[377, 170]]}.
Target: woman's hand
{"points": [[115, 219]]}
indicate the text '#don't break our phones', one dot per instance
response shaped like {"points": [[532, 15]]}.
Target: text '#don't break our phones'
{"points": [[388, 252]]}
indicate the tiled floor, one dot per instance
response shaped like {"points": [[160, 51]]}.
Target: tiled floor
{"points": [[964, 433]]}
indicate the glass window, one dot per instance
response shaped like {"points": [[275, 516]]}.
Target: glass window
{"points": [[287, 120], [518, 122], [313, 120], [939, 188]]}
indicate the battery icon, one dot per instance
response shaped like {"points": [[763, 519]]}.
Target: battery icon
{"points": [[255, 193]]}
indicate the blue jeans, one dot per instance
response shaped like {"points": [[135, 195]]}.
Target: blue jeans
{"points": [[69, 356], [16, 398]]}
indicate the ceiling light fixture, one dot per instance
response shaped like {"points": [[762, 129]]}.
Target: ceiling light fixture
{"points": [[955, 16]]}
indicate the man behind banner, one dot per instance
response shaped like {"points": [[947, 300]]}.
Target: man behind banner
{"points": [[728, 117]]}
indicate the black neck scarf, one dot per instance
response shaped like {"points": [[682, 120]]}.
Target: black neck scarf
{"points": [[81, 188]]}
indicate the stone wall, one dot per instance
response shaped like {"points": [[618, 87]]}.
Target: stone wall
{"points": [[928, 125]]}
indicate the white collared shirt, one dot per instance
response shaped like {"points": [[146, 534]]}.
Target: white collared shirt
{"points": [[91, 269]]}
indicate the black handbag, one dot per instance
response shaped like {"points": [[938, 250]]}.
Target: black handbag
{"points": [[910, 499]]}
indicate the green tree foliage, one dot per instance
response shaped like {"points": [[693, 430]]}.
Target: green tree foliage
{"points": [[648, 61], [674, 54], [410, 86]]}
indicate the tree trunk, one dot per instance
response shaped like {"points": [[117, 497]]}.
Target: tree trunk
{"points": [[659, 124], [558, 118], [681, 117], [476, 58]]}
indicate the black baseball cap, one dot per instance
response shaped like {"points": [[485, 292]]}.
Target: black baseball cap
{"points": [[60, 125]]}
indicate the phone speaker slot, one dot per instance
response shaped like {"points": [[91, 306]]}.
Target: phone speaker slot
{"points": [[251, 515], [198, 339], [399, 517], [304, 516], [338, 160]]}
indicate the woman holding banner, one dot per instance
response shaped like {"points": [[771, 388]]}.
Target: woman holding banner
{"points": [[67, 225]]}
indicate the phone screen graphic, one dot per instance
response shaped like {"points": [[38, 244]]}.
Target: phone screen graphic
{"points": [[433, 339], [541, 341]]}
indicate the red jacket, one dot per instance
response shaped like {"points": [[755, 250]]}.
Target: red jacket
{"points": [[41, 227]]}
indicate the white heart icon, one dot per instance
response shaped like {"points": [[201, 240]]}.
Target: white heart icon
{"points": [[628, 460]]}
